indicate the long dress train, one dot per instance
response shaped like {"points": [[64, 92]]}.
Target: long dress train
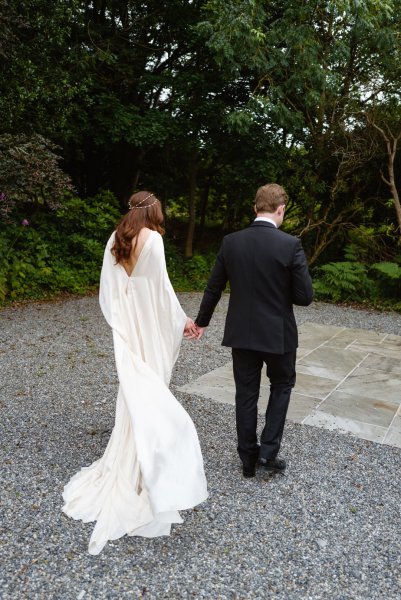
{"points": [[152, 466]]}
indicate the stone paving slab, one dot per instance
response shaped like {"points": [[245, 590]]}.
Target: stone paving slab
{"points": [[347, 380]]}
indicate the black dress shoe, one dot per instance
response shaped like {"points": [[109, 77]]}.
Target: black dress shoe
{"points": [[273, 465], [249, 466], [248, 470]]}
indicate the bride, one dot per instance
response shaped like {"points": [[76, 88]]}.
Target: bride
{"points": [[152, 466]]}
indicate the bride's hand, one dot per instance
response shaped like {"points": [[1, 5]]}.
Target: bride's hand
{"points": [[190, 330]]}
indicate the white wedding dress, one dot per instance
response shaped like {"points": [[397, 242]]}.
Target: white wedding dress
{"points": [[152, 466]]}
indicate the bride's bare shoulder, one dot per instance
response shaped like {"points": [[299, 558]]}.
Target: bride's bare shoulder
{"points": [[139, 241], [145, 233], [142, 236]]}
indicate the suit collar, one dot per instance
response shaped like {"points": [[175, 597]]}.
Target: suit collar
{"points": [[262, 224]]}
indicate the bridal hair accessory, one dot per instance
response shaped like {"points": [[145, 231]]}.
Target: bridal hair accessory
{"points": [[141, 202]]}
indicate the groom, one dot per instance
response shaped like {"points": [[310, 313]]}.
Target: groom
{"points": [[268, 273]]}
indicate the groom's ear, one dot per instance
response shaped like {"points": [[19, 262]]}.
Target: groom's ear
{"points": [[255, 210]]}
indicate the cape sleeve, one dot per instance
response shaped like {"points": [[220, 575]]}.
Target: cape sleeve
{"points": [[144, 309], [108, 291], [172, 307]]}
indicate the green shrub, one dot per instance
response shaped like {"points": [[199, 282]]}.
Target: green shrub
{"points": [[30, 173], [56, 251], [188, 274], [343, 281], [388, 276], [390, 270], [63, 251], [378, 284]]}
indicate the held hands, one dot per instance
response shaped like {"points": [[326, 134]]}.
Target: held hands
{"points": [[192, 331], [200, 331]]}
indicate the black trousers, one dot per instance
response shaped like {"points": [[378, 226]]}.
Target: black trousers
{"points": [[280, 369]]}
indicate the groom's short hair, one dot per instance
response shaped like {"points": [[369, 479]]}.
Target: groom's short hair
{"points": [[269, 197]]}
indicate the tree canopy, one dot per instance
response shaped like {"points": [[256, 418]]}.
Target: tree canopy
{"points": [[204, 100]]}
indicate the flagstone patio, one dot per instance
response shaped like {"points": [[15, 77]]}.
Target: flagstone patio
{"points": [[347, 379]]}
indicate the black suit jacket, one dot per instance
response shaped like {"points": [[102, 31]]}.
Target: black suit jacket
{"points": [[268, 273]]}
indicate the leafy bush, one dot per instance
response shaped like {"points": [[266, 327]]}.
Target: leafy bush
{"points": [[378, 284], [30, 173], [59, 251], [341, 281], [63, 250], [188, 274], [388, 275], [390, 270]]}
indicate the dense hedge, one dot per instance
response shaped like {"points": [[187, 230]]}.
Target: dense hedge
{"points": [[49, 252], [377, 284], [46, 252]]}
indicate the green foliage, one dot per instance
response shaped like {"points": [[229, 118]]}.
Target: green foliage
{"points": [[188, 274], [389, 269], [62, 251], [216, 97], [352, 281], [342, 281], [197, 270], [304, 71], [44, 88], [389, 281], [29, 172], [57, 252], [364, 241]]}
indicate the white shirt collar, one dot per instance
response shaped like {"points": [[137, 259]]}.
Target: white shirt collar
{"points": [[267, 220]]}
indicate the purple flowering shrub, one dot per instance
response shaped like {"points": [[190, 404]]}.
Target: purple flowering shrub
{"points": [[30, 174]]}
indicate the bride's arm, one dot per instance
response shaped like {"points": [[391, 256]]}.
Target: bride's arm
{"points": [[190, 330]]}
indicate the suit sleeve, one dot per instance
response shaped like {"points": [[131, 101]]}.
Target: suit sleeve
{"points": [[215, 287], [302, 290]]}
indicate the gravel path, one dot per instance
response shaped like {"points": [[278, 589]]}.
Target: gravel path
{"points": [[329, 529]]}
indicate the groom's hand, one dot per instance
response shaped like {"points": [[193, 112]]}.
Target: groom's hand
{"points": [[199, 331]]}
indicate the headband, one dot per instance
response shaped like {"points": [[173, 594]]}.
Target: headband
{"points": [[141, 202]]}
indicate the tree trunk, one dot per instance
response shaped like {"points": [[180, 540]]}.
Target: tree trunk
{"points": [[397, 205], [192, 173], [125, 162], [391, 142], [391, 182], [204, 202]]}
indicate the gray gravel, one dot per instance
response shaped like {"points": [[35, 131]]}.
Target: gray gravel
{"points": [[329, 529]]}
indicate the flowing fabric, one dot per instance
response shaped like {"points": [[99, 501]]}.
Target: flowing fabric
{"points": [[152, 466]]}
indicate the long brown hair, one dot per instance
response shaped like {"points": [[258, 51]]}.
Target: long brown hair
{"points": [[145, 211]]}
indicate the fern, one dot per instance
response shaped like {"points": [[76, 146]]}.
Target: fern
{"points": [[388, 275], [342, 281], [389, 269], [351, 252]]}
